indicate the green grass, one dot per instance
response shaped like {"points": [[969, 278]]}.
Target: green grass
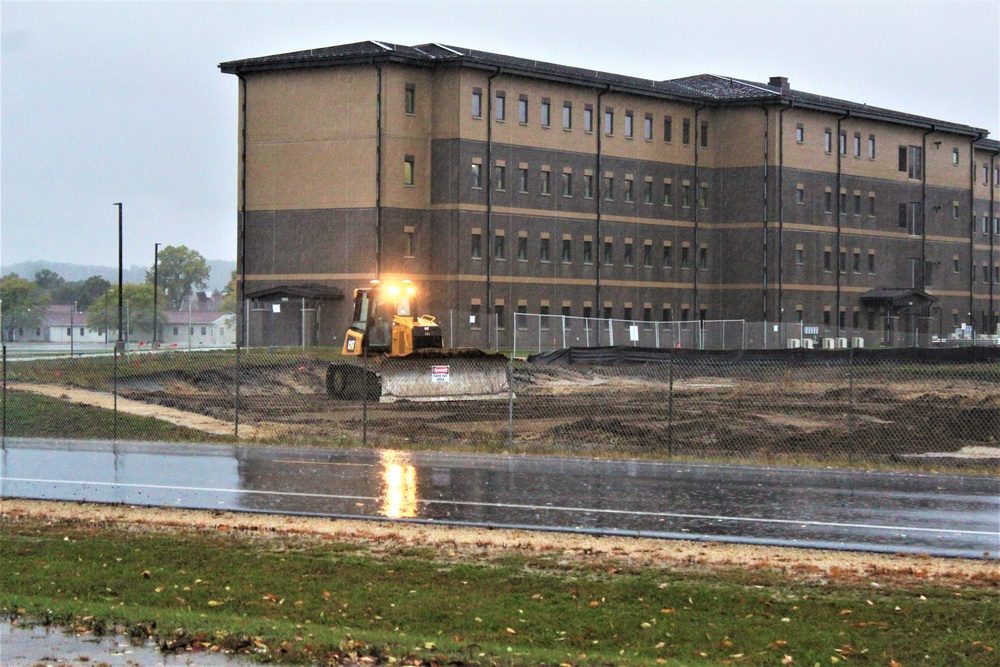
{"points": [[310, 601], [31, 415]]}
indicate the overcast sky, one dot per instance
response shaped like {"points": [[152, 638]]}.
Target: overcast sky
{"points": [[123, 101]]}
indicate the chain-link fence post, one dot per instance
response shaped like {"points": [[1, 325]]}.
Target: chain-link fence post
{"points": [[670, 407], [114, 374], [236, 396], [850, 407], [510, 404], [364, 400], [3, 408]]}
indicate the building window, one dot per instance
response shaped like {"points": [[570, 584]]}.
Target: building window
{"points": [[477, 175], [857, 144], [647, 193], [609, 121], [522, 248], [826, 318], [828, 201], [871, 262], [410, 99], [668, 194], [609, 188], [843, 203], [800, 133], [685, 314], [522, 322], [567, 116], [668, 129], [686, 131], [955, 210], [567, 184], [856, 261], [588, 251], [567, 311], [588, 186], [685, 195], [799, 256], [176, 331], [588, 313], [702, 258], [627, 312], [408, 170], [703, 195], [871, 205], [477, 246], [954, 265], [842, 261], [668, 256], [800, 194], [685, 257], [666, 314], [501, 177], [543, 249], [499, 246], [500, 319], [857, 204], [408, 243], [827, 260], [588, 118], [911, 161], [609, 253], [827, 140], [546, 113], [522, 179], [627, 258], [842, 143], [501, 107], [870, 315], [628, 189], [477, 103], [567, 251], [647, 255], [871, 146], [544, 320], [546, 183], [647, 127], [704, 134], [954, 156], [522, 110], [629, 127], [608, 312]]}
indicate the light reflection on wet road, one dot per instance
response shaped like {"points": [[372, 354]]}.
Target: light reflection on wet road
{"points": [[945, 515]]}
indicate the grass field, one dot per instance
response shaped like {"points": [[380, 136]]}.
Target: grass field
{"points": [[325, 599]]}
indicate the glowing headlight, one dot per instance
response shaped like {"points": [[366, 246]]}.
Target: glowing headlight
{"points": [[393, 290]]}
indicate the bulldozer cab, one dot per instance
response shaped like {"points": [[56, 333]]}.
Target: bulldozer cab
{"points": [[380, 316]]}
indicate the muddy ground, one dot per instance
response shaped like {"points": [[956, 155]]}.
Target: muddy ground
{"points": [[700, 410]]}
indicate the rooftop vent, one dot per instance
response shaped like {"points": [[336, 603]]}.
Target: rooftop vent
{"points": [[779, 82]]}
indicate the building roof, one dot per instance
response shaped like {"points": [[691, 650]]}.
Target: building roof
{"points": [[59, 315], [195, 317], [897, 297], [708, 89]]}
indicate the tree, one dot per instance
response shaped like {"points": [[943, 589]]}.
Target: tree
{"points": [[82, 292], [180, 271], [137, 311], [23, 304], [48, 280], [230, 296]]}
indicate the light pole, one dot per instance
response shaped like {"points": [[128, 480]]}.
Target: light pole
{"points": [[72, 324], [156, 267]]}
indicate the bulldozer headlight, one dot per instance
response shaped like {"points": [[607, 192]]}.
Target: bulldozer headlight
{"points": [[393, 290]]}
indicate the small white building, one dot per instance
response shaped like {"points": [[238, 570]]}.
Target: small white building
{"points": [[197, 329], [62, 325]]}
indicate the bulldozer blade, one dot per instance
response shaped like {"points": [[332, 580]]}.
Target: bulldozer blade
{"points": [[444, 377]]}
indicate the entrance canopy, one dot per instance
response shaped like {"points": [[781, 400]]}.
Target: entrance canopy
{"points": [[897, 297], [312, 292]]}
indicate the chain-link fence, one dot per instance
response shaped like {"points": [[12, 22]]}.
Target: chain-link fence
{"points": [[835, 407]]}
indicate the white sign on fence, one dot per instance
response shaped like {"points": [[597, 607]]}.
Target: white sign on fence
{"points": [[633, 333]]}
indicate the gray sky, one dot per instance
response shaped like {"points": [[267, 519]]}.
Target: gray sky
{"points": [[123, 101]]}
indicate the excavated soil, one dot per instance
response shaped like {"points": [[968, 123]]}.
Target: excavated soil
{"points": [[621, 409]]}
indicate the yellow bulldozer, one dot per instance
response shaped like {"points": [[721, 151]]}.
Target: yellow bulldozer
{"points": [[392, 353]]}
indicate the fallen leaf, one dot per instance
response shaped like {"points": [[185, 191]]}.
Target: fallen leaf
{"points": [[511, 631], [215, 603], [787, 660]]}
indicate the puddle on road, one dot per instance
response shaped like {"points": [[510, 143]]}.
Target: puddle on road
{"points": [[39, 646]]}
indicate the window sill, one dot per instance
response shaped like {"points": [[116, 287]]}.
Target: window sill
{"points": [[409, 256]]}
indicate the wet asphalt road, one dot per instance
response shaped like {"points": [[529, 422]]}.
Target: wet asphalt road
{"points": [[944, 515]]}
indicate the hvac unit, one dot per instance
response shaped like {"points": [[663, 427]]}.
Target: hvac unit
{"points": [[857, 341], [841, 343], [793, 343], [828, 343], [808, 343]]}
